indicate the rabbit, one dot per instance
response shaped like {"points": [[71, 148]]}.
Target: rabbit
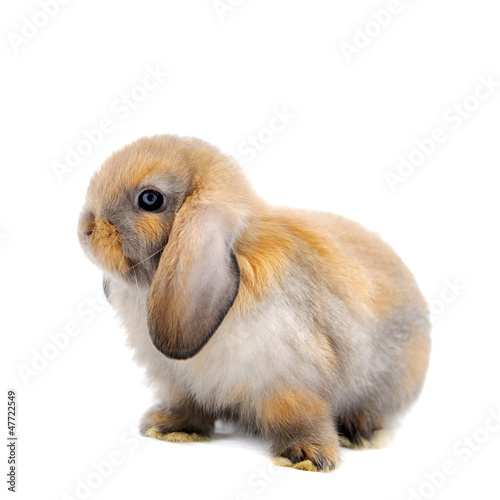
{"points": [[299, 326]]}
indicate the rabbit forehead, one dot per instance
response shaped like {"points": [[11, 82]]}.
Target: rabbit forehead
{"points": [[131, 169]]}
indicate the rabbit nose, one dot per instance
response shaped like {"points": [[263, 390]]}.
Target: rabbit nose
{"points": [[87, 224]]}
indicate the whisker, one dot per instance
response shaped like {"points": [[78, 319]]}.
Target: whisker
{"points": [[147, 258], [121, 262], [138, 288]]}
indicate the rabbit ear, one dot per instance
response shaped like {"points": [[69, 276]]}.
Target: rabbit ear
{"points": [[196, 282]]}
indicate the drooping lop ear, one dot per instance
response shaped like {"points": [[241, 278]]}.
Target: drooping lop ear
{"points": [[196, 282]]}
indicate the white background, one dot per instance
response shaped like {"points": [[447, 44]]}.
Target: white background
{"points": [[352, 120]]}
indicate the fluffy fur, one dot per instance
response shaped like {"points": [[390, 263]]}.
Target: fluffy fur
{"points": [[302, 326]]}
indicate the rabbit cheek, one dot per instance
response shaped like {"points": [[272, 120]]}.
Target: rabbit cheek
{"points": [[105, 244], [151, 229]]}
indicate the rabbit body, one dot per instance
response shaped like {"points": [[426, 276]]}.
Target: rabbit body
{"points": [[323, 332]]}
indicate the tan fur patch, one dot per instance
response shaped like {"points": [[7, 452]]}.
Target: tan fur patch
{"points": [[362, 269], [151, 227], [309, 454], [292, 406], [306, 465], [416, 360], [262, 254], [175, 437], [331, 259], [286, 238]]}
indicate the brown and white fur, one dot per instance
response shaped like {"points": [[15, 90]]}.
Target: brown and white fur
{"points": [[301, 326]]}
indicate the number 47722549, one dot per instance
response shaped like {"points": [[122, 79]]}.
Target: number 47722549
{"points": [[11, 413]]}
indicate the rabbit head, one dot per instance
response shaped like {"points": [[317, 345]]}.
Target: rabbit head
{"points": [[163, 214]]}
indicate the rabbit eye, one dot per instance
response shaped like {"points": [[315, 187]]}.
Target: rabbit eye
{"points": [[150, 200]]}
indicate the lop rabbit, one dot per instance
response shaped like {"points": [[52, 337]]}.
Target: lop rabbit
{"points": [[301, 326]]}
